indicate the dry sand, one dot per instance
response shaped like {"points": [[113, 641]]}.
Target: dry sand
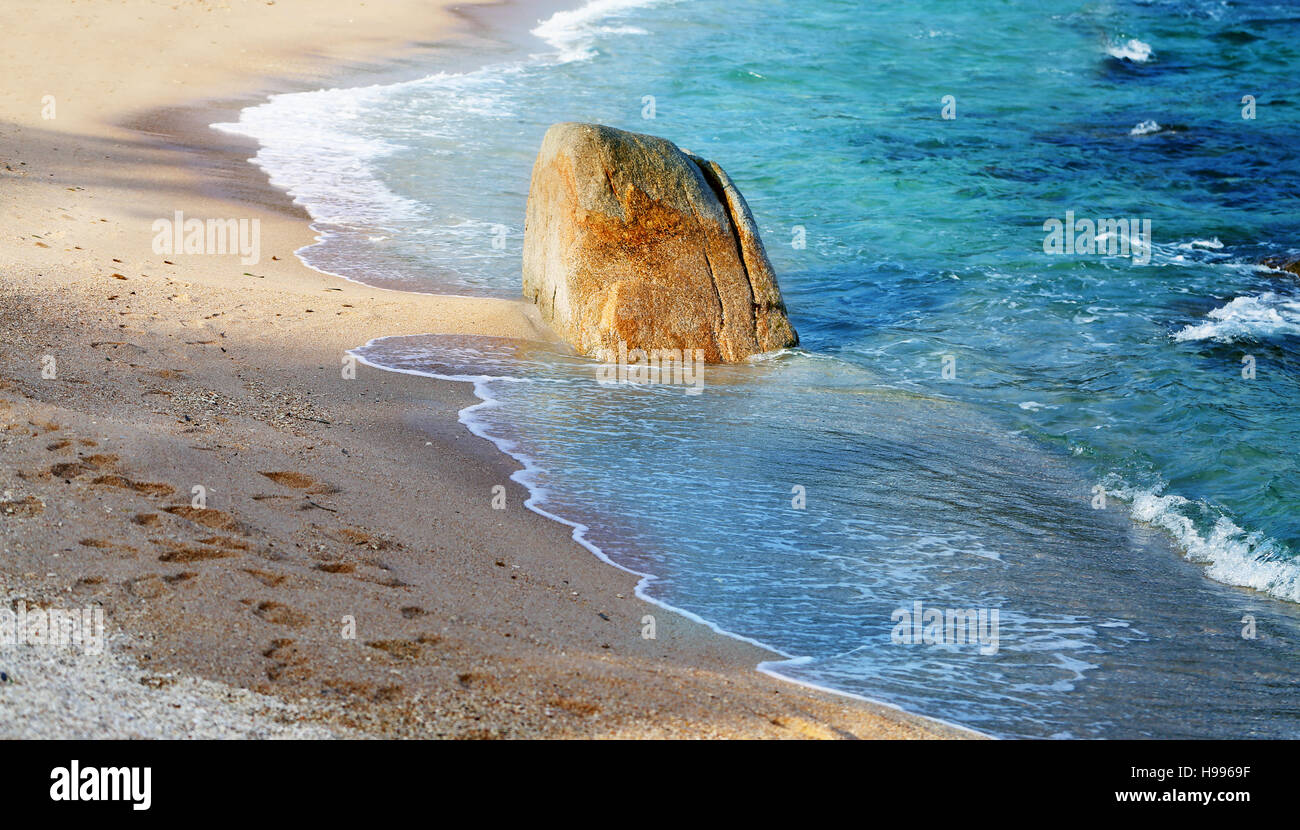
{"points": [[326, 498]]}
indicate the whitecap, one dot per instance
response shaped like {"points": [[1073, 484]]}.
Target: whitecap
{"points": [[1133, 50], [1232, 555], [1248, 317], [574, 33]]}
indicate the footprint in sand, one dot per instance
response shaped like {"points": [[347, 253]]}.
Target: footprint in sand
{"points": [[153, 586], [385, 582], [288, 673], [105, 544], [68, 470], [23, 508], [146, 488], [299, 481], [270, 580], [181, 552], [227, 542], [401, 649], [280, 614], [574, 706], [146, 587], [336, 567], [147, 519], [289, 662], [207, 517], [477, 680], [104, 464], [90, 585]]}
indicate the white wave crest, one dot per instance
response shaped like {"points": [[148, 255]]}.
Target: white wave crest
{"points": [[1146, 128], [1132, 50], [1233, 556], [1247, 317], [574, 33], [308, 149]]}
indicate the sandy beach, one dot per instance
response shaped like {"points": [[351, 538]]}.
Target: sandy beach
{"points": [[131, 378]]}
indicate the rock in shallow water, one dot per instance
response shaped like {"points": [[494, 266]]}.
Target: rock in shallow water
{"points": [[1283, 264], [629, 239]]}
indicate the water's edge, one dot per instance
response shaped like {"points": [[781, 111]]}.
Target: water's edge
{"points": [[536, 498]]}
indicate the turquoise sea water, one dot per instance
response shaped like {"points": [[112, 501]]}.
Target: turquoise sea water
{"points": [[1075, 376]]}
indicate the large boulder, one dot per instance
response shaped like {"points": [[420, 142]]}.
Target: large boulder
{"points": [[629, 239]]}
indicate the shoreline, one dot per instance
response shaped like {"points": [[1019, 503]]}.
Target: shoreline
{"points": [[270, 406], [768, 667]]}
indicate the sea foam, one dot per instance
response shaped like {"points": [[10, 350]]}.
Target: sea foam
{"points": [[1232, 555], [307, 150], [1247, 318], [1132, 50], [574, 33]]}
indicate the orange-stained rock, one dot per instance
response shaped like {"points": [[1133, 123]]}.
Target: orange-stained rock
{"points": [[630, 239]]}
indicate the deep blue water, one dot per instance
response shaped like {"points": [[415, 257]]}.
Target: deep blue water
{"points": [[923, 247]]}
